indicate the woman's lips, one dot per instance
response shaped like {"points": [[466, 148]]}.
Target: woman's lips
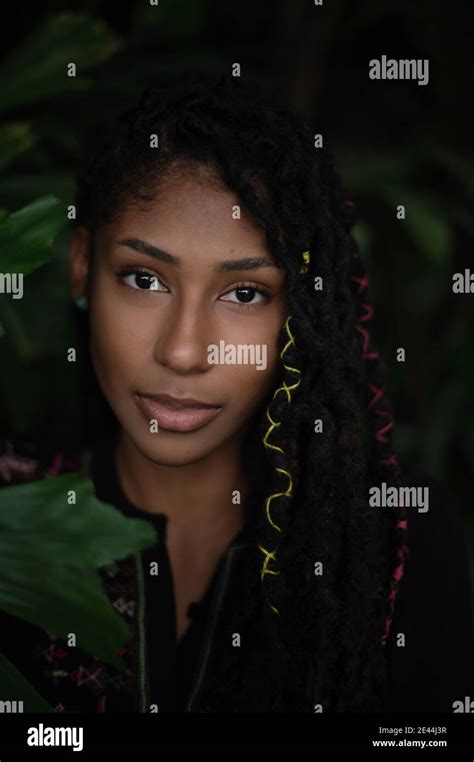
{"points": [[173, 417]]}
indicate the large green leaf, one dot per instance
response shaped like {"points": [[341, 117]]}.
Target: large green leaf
{"points": [[15, 685], [26, 235], [38, 69], [50, 551]]}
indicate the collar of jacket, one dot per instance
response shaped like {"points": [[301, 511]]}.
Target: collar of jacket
{"points": [[230, 570], [229, 573]]}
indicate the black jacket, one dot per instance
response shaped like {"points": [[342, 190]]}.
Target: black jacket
{"points": [[433, 669]]}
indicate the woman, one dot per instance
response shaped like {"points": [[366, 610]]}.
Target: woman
{"points": [[227, 312]]}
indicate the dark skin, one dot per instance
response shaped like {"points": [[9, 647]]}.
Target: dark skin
{"points": [[156, 341]]}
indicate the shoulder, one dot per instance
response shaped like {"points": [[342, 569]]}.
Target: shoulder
{"points": [[431, 645]]}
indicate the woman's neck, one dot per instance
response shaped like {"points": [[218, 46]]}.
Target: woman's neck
{"points": [[204, 501]]}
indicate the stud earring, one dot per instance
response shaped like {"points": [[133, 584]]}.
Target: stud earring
{"points": [[81, 303]]}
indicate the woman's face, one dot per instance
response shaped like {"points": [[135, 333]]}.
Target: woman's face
{"points": [[167, 318]]}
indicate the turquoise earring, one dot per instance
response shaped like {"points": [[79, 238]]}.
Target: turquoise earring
{"points": [[81, 303]]}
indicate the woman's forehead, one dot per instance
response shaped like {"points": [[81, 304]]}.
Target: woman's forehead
{"points": [[188, 218]]}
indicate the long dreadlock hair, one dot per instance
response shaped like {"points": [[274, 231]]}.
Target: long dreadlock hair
{"points": [[323, 577]]}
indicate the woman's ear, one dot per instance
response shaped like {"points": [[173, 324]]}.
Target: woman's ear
{"points": [[79, 250]]}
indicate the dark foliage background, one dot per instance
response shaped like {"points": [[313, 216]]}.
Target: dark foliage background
{"points": [[397, 142]]}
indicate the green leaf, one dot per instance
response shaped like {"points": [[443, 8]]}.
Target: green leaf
{"points": [[26, 236], [15, 685], [179, 20], [363, 235], [15, 138], [369, 172], [17, 189], [50, 551], [38, 68], [457, 164], [429, 230]]}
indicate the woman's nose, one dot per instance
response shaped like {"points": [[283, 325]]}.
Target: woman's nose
{"points": [[183, 340]]}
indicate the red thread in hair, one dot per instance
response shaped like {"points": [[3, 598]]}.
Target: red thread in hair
{"points": [[380, 434], [392, 460], [369, 312], [363, 283], [397, 575], [365, 354], [378, 394], [380, 437]]}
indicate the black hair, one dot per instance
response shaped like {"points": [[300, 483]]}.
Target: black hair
{"points": [[323, 634]]}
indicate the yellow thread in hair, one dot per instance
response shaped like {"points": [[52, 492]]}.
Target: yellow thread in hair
{"points": [[268, 555], [275, 424], [285, 387], [278, 494], [306, 260]]}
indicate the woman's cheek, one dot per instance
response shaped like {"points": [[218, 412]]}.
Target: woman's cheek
{"points": [[252, 381], [114, 357]]}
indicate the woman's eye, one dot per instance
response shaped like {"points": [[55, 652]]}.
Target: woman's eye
{"points": [[141, 281], [245, 295]]}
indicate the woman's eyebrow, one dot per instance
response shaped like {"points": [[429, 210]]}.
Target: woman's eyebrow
{"points": [[227, 265]]}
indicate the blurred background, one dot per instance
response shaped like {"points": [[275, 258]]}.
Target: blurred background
{"points": [[396, 142]]}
